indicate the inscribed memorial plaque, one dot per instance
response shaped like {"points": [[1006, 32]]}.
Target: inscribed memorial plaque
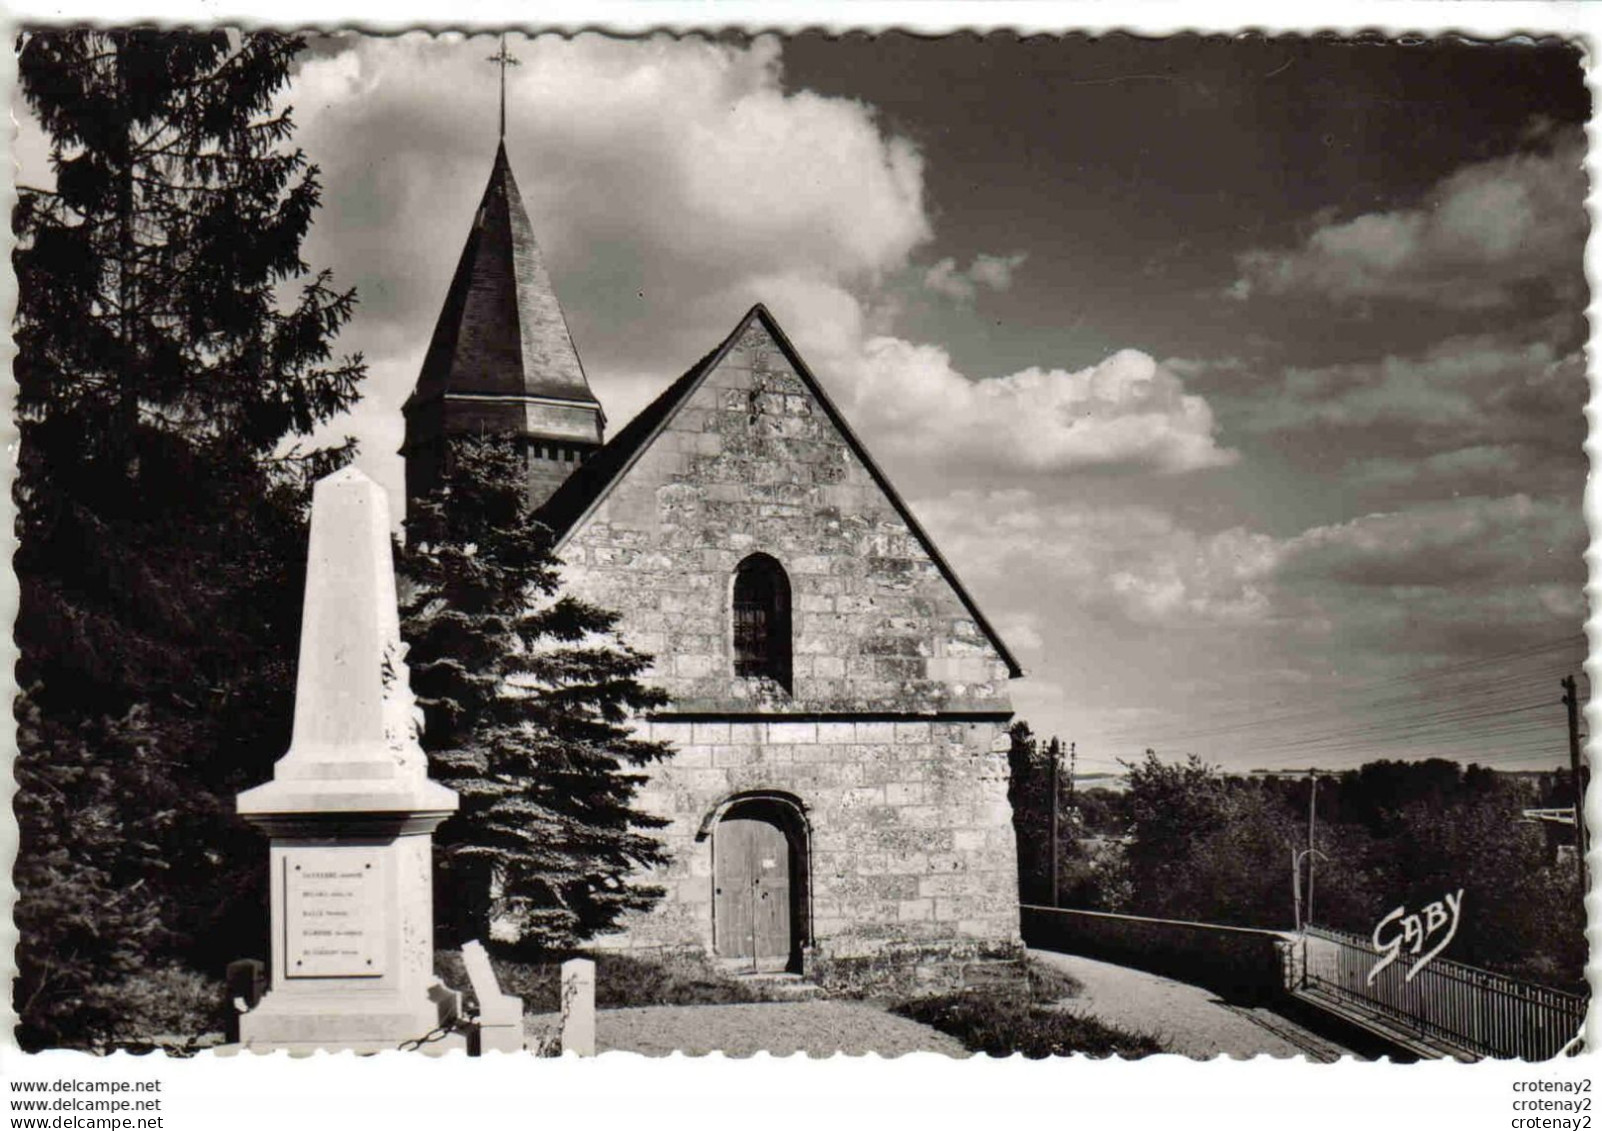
{"points": [[334, 913]]}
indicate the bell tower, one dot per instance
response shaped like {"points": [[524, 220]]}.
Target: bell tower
{"points": [[501, 361]]}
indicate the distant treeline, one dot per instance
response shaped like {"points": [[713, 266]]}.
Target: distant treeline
{"points": [[1184, 840]]}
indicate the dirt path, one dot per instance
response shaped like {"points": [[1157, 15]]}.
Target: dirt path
{"points": [[815, 1027], [1187, 1019]]}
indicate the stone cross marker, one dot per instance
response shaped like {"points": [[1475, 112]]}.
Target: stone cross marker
{"points": [[578, 1007], [350, 811], [500, 1016]]}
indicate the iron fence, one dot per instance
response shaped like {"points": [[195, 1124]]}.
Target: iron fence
{"points": [[1481, 1012]]}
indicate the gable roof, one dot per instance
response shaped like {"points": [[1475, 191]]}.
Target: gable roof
{"points": [[583, 491], [501, 331]]}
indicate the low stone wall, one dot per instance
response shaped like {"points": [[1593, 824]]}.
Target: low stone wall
{"points": [[1240, 963], [912, 970]]}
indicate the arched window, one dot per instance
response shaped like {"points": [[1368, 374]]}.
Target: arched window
{"points": [[762, 620]]}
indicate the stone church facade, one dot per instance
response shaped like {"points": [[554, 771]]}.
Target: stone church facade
{"points": [[837, 805]]}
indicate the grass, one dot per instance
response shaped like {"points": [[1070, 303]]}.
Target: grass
{"points": [[1048, 984], [621, 981], [1026, 1022], [1000, 1024]]}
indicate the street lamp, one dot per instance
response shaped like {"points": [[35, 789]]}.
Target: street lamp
{"points": [[1296, 883], [1310, 851]]}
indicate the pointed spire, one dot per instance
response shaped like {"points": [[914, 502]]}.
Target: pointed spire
{"points": [[502, 331], [501, 359]]}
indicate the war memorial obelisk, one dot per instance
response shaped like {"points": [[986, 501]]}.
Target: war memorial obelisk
{"points": [[350, 811]]}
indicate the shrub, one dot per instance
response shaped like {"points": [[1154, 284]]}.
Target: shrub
{"points": [[167, 1007], [1001, 1026], [621, 980]]}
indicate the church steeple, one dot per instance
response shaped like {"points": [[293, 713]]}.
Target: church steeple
{"points": [[501, 361]]}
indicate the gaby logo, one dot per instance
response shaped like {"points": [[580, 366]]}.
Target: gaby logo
{"points": [[1399, 929]]}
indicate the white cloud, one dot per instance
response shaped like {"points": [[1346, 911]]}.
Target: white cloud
{"points": [[1471, 415], [671, 182], [1021, 631], [1466, 546], [1480, 236], [686, 148], [1475, 467], [1454, 382], [1137, 560], [1399, 581], [992, 271], [1126, 412]]}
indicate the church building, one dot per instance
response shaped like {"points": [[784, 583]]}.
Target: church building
{"points": [[837, 804]]}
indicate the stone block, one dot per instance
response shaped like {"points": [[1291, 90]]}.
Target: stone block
{"points": [[679, 734], [837, 732], [710, 734], [920, 816], [912, 733], [859, 864], [793, 733], [828, 667], [692, 666], [944, 884], [693, 756], [896, 887], [859, 796], [903, 793], [971, 840], [733, 756], [876, 733], [909, 863]]}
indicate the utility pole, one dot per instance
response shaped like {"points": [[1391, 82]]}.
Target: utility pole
{"points": [[1296, 887], [1571, 700], [1312, 826], [1055, 750]]}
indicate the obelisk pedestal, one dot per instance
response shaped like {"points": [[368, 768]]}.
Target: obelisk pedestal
{"points": [[350, 811]]}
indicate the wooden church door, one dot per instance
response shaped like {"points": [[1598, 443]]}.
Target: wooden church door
{"points": [[752, 909]]}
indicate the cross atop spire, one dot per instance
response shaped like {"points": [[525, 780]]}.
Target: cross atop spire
{"points": [[505, 59]]}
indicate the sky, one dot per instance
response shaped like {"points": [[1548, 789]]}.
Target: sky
{"points": [[1240, 380]]}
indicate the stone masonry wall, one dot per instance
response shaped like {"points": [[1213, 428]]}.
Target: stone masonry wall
{"points": [[912, 859], [751, 463], [911, 864]]}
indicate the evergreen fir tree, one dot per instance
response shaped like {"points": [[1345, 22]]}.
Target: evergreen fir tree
{"points": [[163, 380], [528, 695]]}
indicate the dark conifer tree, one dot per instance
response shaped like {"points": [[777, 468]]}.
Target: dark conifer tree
{"points": [[173, 351], [528, 696]]}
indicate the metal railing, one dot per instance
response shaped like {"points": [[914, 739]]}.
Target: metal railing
{"points": [[1480, 1012]]}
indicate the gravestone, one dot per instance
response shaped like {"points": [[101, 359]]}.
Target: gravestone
{"points": [[500, 1016], [578, 1007], [350, 812]]}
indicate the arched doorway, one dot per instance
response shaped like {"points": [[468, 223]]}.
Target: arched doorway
{"points": [[759, 882]]}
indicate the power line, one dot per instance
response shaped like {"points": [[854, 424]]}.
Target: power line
{"points": [[1402, 690], [1428, 707], [1496, 708]]}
